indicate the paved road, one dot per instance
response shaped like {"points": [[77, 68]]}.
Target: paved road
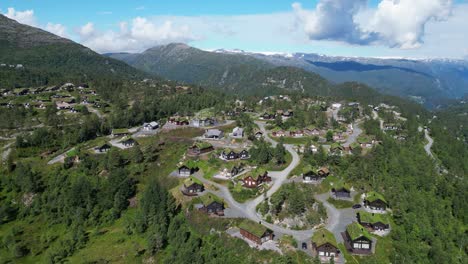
{"points": [[353, 137], [376, 116], [6, 151], [59, 158], [428, 146], [337, 220]]}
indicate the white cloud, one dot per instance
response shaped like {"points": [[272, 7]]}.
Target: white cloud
{"points": [[87, 30], [138, 35], [394, 23], [333, 20], [24, 17], [27, 17], [402, 23], [57, 29]]}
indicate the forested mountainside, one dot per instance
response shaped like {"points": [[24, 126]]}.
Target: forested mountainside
{"points": [[94, 172], [32, 57], [429, 82]]}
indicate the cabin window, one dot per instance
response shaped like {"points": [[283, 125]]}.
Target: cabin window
{"points": [[366, 246], [321, 253], [357, 245]]}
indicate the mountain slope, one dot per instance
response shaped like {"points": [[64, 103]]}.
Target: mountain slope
{"points": [[430, 82], [47, 58], [183, 63]]}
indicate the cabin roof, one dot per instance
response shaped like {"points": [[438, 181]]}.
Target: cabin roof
{"points": [[355, 231], [367, 217], [210, 198], [120, 131], [192, 180], [323, 236], [374, 196], [254, 228], [202, 145], [342, 185]]}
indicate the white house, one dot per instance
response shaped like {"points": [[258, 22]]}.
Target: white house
{"points": [[237, 132], [150, 126]]}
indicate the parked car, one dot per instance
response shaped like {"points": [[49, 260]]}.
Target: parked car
{"points": [[356, 206], [304, 245]]}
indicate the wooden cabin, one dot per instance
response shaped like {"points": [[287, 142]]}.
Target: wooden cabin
{"points": [[212, 205], [255, 232], [372, 221], [192, 187], [357, 239], [341, 191], [375, 201], [229, 154], [130, 142], [200, 148], [255, 181], [310, 176], [324, 244], [323, 172], [103, 148], [185, 171]]}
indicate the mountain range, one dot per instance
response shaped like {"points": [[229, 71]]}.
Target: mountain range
{"points": [[427, 81]]}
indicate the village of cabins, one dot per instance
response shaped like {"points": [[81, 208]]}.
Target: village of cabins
{"points": [[217, 171]]}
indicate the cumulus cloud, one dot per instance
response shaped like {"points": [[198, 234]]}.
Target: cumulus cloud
{"points": [[402, 23], [136, 36], [394, 23], [24, 17], [333, 20], [57, 29]]}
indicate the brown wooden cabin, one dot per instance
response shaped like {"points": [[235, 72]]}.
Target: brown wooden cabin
{"points": [[255, 232]]}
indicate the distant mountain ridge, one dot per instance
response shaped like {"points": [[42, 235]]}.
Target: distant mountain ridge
{"points": [[428, 81]]}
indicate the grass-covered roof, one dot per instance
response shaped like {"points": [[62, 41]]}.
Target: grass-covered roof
{"points": [[210, 198], [367, 217], [254, 228], [202, 145], [191, 180], [374, 196], [323, 236], [342, 185], [120, 131], [355, 231]]}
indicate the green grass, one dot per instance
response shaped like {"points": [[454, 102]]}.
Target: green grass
{"points": [[272, 166], [296, 141], [340, 204], [112, 244], [241, 194]]}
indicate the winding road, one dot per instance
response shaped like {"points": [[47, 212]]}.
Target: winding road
{"points": [[428, 146], [337, 219]]}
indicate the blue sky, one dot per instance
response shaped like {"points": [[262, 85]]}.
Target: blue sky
{"points": [[319, 26]]}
